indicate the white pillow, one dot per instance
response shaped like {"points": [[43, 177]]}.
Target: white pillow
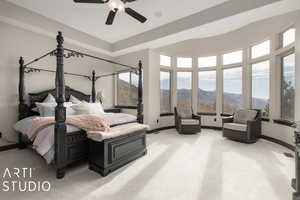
{"points": [[81, 108], [48, 109], [74, 100], [49, 99], [97, 108], [88, 108]]}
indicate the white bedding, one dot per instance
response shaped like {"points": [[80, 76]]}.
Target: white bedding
{"points": [[44, 141]]}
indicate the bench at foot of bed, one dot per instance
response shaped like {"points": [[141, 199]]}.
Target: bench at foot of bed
{"points": [[111, 154]]}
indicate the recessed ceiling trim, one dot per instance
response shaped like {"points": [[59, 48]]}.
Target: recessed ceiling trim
{"points": [[46, 33], [209, 15]]}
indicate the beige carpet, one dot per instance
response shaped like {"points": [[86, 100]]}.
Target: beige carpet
{"points": [[177, 167]]}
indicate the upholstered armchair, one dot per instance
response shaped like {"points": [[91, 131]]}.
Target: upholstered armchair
{"points": [[187, 122], [243, 126]]}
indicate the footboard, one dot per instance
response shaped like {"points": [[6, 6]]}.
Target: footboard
{"points": [[76, 147], [111, 154]]}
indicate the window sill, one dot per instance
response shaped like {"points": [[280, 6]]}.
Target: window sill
{"points": [[166, 114], [207, 114], [126, 107], [226, 115], [284, 122]]}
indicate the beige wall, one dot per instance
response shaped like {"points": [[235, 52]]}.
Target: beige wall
{"points": [[16, 42], [239, 39]]}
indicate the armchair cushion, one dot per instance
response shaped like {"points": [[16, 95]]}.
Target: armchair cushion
{"points": [[242, 116], [190, 122], [236, 126]]}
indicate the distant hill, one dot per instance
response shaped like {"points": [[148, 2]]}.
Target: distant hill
{"points": [[207, 97]]}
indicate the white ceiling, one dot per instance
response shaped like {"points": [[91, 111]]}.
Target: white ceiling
{"points": [[84, 24], [90, 18]]}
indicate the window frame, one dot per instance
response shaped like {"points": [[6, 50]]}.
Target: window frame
{"points": [[251, 83], [165, 65], [232, 64], [209, 67], [117, 96], [216, 85], [171, 91], [263, 56], [184, 68], [225, 67], [280, 46], [282, 56], [192, 80]]}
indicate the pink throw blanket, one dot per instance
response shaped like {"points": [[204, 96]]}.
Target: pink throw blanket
{"points": [[87, 123], [116, 131]]}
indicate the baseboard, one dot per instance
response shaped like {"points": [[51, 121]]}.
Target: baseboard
{"points": [[160, 129], [212, 127], [173, 127], [8, 147], [280, 142]]}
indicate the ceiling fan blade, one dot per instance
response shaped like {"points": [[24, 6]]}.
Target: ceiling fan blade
{"points": [[135, 15], [91, 1], [111, 17]]}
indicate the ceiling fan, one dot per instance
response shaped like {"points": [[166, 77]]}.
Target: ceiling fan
{"points": [[115, 6]]}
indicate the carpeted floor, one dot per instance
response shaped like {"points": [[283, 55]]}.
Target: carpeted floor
{"points": [[177, 167]]}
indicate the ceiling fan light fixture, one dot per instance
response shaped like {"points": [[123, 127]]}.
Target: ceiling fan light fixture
{"points": [[116, 5]]}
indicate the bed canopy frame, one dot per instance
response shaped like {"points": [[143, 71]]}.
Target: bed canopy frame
{"points": [[60, 89]]}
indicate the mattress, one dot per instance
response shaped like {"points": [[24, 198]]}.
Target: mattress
{"points": [[43, 143]]}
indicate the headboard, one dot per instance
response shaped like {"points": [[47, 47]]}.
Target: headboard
{"points": [[26, 110]]}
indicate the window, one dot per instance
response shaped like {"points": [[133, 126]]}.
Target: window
{"points": [[127, 89], [288, 37], [207, 92], [288, 87], [184, 91], [165, 61], [233, 57], [261, 49], [261, 87], [209, 61], [232, 89], [165, 92], [184, 62]]}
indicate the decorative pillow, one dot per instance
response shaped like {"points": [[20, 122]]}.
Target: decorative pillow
{"points": [[82, 108], [48, 109], [242, 116], [49, 99], [97, 108], [88, 108], [74, 100]]}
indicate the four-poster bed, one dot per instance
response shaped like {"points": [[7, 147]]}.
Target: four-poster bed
{"points": [[73, 146]]}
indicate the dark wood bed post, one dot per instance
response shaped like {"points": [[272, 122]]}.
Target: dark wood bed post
{"points": [[60, 110], [140, 94], [22, 105], [93, 87]]}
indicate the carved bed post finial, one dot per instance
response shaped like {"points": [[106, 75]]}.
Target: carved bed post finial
{"points": [[60, 110], [140, 94], [93, 87], [21, 80]]}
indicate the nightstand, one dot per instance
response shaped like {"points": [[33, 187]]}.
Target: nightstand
{"points": [[113, 110]]}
